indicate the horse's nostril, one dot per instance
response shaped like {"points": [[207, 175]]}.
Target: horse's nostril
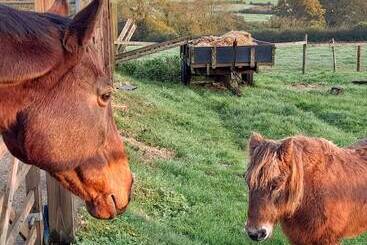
{"points": [[114, 200], [262, 234], [253, 236], [259, 235]]}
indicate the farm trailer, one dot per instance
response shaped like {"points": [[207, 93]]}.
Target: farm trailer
{"points": [[231, 64]]}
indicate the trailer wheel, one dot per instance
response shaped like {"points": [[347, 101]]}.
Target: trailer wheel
{"points": [[248, 78], [185, 73]]}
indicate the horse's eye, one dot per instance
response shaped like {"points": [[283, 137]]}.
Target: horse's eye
{"points": [[105, 98], [273, 187], [275, 184]]}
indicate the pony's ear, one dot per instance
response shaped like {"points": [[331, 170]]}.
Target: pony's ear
{"points": [[255, 140], [59, 7], [286, 150], [81, 29]]}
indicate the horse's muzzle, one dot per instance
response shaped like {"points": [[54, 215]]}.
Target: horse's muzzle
{"points": [[258, 235]]}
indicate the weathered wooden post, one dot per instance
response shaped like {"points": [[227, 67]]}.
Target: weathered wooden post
{"points": [[334, 54], [304, 54], [359, 53], [33, 180], [61, 212], [42, 5]]}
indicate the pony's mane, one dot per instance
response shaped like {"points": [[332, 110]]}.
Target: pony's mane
{"points": [[26, 25], [266, 165]]}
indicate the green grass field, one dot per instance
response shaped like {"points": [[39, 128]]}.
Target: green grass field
{"points": [[198, 196], [256, 17]]}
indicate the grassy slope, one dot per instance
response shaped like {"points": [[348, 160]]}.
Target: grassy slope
{"points": [[199, 197]]}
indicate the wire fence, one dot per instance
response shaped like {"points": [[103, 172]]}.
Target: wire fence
{"points": [[320, 59]]}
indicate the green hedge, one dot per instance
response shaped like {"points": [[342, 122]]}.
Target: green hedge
{"points": [[161, 68], [357, 33]]}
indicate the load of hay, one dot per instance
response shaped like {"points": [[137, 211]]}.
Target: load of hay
{"points": [[243, 38]]}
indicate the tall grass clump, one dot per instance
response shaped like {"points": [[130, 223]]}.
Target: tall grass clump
{"points": [[162, 68]]}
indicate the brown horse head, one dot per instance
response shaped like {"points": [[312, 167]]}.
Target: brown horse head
{"points": [[275, 182], [55, 108]]}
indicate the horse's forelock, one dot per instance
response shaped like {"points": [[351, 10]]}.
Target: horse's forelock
{"points": [[263, 167], [260, 170]]}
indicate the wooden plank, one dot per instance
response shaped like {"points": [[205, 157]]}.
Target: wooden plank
{"points": [[334, 54], [228, 65], [33, 182], [17, 2], [151, 49], [114, 22], [359, 52], [8, 201], [3, 149], [32, 237], [252, 57], [42, 5], [24, 231], [77, 6], [127, 25], [60, 208], [214, 57], [21, 218], [129, 35], [107, 39], [134, 43], [304, 57], [22, 174]]}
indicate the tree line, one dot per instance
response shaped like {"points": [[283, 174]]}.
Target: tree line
{"points": [[330, 13]]}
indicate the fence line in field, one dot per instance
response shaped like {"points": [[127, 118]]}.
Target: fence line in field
{"points": [[307, 55]]}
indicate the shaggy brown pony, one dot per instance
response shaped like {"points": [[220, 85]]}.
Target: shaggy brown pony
{"points": [[55, 109], [316, 190]]}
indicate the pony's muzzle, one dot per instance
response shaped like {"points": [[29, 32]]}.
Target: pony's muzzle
{"points": [[260, 234]]}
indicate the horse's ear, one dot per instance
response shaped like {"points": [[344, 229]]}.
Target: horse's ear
{"points": [[286, 150], [59, 7], [255, 140], [81, 29]]}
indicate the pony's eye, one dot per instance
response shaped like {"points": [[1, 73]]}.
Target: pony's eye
{"points": [[106, 96], [273, 187], [275, 184]]}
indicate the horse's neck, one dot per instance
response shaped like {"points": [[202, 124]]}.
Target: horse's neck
{"points": [[12, 100], [329, 163]]}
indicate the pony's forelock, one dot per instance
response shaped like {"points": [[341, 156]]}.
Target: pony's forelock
{"points": [[264, 167]]}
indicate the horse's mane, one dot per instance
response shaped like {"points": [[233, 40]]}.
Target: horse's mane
{"points": [[26, 25]]}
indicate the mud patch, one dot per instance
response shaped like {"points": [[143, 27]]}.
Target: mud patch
{"points": [[150, 153]]}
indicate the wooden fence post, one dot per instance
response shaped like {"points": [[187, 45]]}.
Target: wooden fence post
{"points": [[60, 212], [42, 5], [33, 180], [77, 6], [359, 52], [304, 55], [334, 54]]}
